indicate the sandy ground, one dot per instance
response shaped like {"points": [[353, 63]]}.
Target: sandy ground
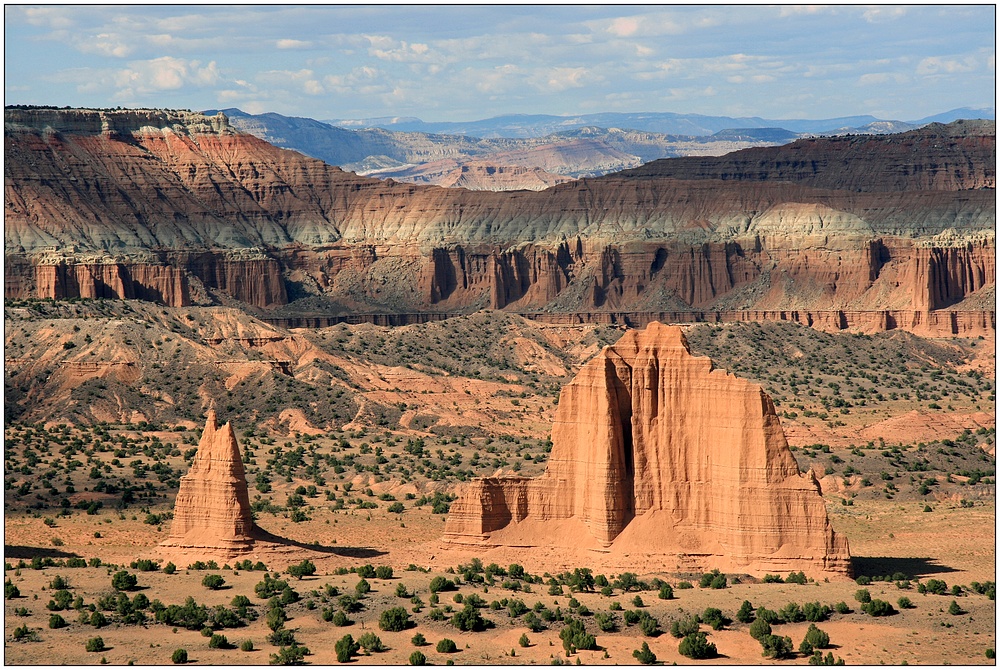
{"points": [[953, 543]]}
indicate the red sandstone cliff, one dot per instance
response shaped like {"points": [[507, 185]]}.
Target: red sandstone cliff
{"points": [[142, 203], [655, 452]]}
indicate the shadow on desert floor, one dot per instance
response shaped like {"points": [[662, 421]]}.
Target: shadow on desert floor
{"points": [[889, 565], [262, 535], [23, 551]]}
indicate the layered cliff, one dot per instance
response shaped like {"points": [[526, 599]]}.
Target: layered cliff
{"points": [[656, 452], [161, 205]]}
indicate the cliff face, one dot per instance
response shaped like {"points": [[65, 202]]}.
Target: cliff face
{"points": [[655, 452], [144, 203]]}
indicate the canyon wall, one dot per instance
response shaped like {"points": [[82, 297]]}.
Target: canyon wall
{"points": [[161, 206], [656, 452]]}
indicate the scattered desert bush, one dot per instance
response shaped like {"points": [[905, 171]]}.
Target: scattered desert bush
{"points": [[697, 646], [446, 646], [213, 582], [346, 647], [394, 619], [644, 655]]}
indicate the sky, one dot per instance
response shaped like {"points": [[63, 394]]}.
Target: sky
{"points": [[468, 62]]}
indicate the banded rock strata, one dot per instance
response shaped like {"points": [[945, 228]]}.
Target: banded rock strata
{"points": [[167, 205]]}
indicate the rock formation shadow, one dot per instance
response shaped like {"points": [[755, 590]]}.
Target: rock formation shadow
{"points": [[889, 565], [261, 535], [22, 551]]}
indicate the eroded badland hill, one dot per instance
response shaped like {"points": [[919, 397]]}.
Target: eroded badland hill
{"points": [[158, 265]]}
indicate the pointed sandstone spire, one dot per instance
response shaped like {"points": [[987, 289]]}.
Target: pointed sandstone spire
{"points": [[212, 509]]}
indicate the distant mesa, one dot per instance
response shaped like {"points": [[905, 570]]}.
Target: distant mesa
{"points": [[656, 453], [212, 510]]}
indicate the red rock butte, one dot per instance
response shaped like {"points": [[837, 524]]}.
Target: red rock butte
{"points": [[212, 511], [656, 453]]}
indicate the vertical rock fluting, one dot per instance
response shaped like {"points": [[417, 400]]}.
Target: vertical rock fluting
{"points": [[212, 510], [655, 452]]}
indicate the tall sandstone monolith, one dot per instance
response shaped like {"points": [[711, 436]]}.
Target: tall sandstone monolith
{"points": [[656, 453], [212, 511]]}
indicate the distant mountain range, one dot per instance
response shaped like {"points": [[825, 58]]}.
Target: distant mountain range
{"points": [[535, 125], [535, 151]]}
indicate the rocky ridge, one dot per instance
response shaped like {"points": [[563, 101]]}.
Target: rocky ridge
{"points": [[655, 452], [165, 210]]}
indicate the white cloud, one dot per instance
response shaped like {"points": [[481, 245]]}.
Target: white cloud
{"points": [[293, 44], [937, 65], [888, 13], [165, 74]]}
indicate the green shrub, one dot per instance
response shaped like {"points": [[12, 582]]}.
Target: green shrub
{"points": [[684, 627], [684, 585], [760, 629], [649, 626], [863, 596], [696, 645], [446, 646], [904, 603], [797, 578], [990, 653], [745, 613], [383, 572], [666, 592], [56, 621], [605, 622], [574, 636], [170, 569], [523, 641], [418, 640], [213, 582], [936, 586], [792, 613], [818, 659], [362, 587], [179, 656], [468, 619], [340, 619], [10, 591], [394, 619], [767, 615], [715, 618], [878, 608], [219, 641], [416, 658], [816, 612], [123, 581], [95, 644], [776, 646], [246, 645], [441, 584], [954, 609], [814, 639], [304, 569], [842, 608], [371, 642], [644, 655], [346, 647], [290, 655], [366, 571]]}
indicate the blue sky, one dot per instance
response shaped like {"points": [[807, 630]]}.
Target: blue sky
{"points": [[464, 62]]}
